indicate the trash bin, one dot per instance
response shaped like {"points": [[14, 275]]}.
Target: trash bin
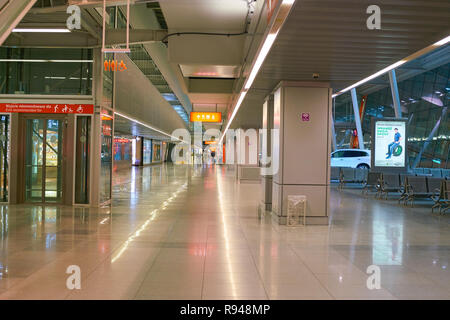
{"points": [[296, 211]]}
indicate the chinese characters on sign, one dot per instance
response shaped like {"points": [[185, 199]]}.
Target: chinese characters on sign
{"points": [[113, 65], [46, 108], [206, 117]]}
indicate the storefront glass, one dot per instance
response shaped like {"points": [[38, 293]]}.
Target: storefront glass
{"points": [[106, 157], [147, 151], [156, 151]]}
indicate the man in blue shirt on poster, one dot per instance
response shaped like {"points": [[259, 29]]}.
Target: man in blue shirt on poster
{"points": [[394, 144]]}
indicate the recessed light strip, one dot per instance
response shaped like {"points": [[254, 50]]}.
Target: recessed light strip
{"points": [[396, 65], [271, 36], [148, 126]]}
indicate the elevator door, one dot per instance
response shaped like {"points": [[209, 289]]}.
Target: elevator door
{"points": [[43, 160]]}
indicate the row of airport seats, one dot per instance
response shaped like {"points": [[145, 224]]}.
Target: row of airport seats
{"points": [[434, 172], [360, 175], [424, 183], [411, 187]]}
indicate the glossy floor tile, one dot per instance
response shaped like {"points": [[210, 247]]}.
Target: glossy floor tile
{"points": [[179, 232]]}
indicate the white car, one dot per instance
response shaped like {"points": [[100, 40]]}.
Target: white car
{"points": [[352, 158]]}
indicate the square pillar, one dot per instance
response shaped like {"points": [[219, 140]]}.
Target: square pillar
{"points": [[266, 153], [302, 113]]}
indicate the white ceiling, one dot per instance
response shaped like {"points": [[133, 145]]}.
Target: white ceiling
{"points": [[205, 15]]}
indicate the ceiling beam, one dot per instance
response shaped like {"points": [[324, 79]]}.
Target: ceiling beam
{"points": [[84, 39]]}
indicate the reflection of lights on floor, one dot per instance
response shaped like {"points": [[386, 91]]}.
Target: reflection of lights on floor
{"points": [[153, 215], [225, 232], [104, 220]]}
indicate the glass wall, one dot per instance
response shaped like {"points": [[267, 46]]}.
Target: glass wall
{"points": [[122, 149], [424, 99], [45, 71], [108, 82], [156, 157], [147, 151], [106, 156]]}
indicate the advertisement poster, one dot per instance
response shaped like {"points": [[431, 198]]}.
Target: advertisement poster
{"points": [[390, 137]]}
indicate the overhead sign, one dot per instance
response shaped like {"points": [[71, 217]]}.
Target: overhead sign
{"points": [[46, 108], [206, 117], [113, 65]]}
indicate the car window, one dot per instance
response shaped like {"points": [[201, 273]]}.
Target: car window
{"points": [[354, 154], [350, 154], [364, 154], [360, 154], [338, 154]]}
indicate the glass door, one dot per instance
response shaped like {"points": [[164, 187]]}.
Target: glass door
{"points": [[43, 160]]}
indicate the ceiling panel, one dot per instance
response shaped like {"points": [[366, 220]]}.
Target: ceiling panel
{"points": [[330, 37]]}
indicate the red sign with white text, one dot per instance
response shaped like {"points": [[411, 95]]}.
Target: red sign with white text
{"points": [[47, 108]]}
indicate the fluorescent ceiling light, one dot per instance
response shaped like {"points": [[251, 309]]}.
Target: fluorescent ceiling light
{"points": [[261, 57], [235, 110], [442, 42], [148, 126], [395, 65], [55, 78], [41, 30], [263, 52], [375, 75]]}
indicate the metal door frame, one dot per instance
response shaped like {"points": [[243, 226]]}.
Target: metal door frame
{"points": [[8, 159], [91, 161], [23, 123]]}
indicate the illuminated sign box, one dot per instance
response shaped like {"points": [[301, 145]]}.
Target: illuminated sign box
{"points": [[206, 117], [47, 108], [389, 144]]}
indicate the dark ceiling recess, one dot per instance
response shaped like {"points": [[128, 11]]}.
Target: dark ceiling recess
{"points": [[158, 12]]}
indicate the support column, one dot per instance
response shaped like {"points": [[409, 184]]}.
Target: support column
{"points": [[357, 119], [395, 96], [266, 153], [302, 114], [333, 134], [102, 132], [198, 142]]}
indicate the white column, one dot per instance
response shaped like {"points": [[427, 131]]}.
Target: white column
{"points": [[395, 96], [357, 119]]}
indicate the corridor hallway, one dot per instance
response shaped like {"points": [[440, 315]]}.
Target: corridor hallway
{"points": [[180, 232]]}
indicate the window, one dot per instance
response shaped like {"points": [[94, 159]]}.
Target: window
{"points": [[338, 154]]}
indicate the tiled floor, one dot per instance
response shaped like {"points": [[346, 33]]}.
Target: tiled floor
{"points": [[175, 232]]}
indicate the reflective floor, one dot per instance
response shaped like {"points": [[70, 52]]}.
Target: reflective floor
{"points": [[175, 232]]}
